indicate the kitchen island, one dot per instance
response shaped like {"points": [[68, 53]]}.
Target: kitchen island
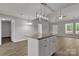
{"points": [[41, 45]]}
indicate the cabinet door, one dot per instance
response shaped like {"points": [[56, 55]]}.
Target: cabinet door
{"points": [[47, 46], [44, 47], [52, 45]]}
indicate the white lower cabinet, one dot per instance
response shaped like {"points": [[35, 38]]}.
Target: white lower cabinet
{"points": [[52, 45], [47, 46], [42, 47]]}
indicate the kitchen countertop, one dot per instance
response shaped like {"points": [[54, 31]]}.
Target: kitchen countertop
{"points": [[39, 37], [43, 36]]}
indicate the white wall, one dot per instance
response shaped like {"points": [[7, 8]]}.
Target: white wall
{"points": [[61, 26], [6, 29], [22, 29]]}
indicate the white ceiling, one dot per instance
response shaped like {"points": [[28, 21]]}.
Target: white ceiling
{"points": [[28, 10], [57, 6]]}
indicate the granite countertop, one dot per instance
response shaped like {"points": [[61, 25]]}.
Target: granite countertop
{"points": [[39, 37], [43, 36]]}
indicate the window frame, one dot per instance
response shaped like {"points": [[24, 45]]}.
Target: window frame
{"points": [[77, 32], [66, 31]]}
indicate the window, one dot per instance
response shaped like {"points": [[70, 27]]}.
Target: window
{"points": [[77, 28], [69, 28]]}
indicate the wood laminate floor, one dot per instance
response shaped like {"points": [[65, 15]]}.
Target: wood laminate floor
{"points": [[14, 49], [67, 47]]}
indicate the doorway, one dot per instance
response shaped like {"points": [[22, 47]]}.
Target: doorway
{"points": [[6, 31]]}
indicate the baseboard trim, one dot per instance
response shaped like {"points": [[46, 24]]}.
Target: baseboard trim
{"points": [[18, 40]]}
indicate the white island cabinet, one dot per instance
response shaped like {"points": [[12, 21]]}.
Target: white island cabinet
{"points": [[42, 47]]}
